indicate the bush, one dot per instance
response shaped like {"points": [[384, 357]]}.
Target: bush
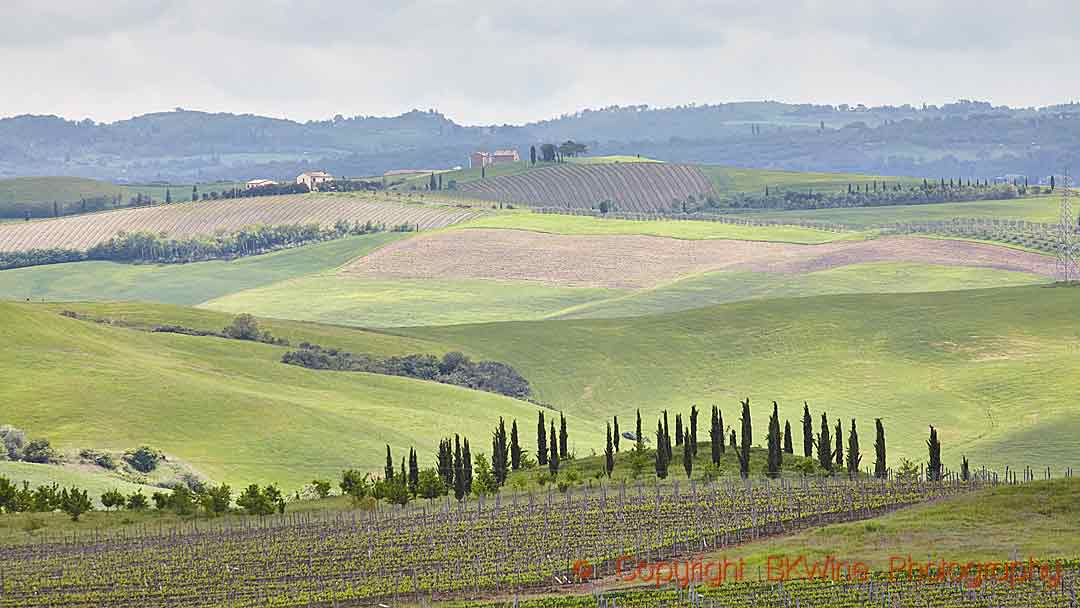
{"points": [[321, 487], [256, 501], [143, 459], [40, 451], [217, 499], [75, 502], [244, 327], [14, 440], [354, 483], [104, 460], [113, 498], [137, 501]]}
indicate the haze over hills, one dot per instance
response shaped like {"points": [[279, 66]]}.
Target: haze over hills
{"points": [[969, 139]]}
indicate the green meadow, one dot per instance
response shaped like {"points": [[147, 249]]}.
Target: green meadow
{"points": [[729, 180], [1044, 208]]}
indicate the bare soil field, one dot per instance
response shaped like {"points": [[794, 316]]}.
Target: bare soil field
{"points": [[184, 220], [636, 262]]}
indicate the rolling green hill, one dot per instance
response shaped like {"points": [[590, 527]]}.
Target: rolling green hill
{"points": [[36, 195], [229, 409], [1045, 208], [727, 180]]}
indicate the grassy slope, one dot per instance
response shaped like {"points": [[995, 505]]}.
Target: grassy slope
{"points": [[49, 189], [1032, 209], [995, 370], [181, 283], [228, 408], [733, 179], [579, 225], [92, 479], [997, 524]]}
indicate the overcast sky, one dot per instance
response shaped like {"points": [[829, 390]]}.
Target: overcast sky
{"points": [[510, 61]]}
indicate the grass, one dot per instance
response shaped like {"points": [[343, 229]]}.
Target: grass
{"points": [[995, 370], [1011, 522], [681, 229], [464, 176], [729, 180], [228, 409], [181, 283], [1032, 209], [37, 194], [328, 298], [723, 287], [94, 480]]}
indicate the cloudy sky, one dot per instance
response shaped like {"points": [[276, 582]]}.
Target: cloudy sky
{"points": [[509, 61]]}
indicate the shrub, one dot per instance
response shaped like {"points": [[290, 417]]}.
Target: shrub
{"points": [[14, 440], [321, 487], [137, 501], [113, 498], [256, 501], [244, 327], [75, 502], [40, 451], [161, 500], [104, 460], [143, 459], [217, 499], [430, 484], [354, 483]]}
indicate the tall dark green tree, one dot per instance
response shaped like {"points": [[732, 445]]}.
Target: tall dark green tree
{"points": [[431, 183], [854, 458], [776, 454], [933, 468], [788, 447], [880, 469], [515, 447], [825, 446], [839, 453], [445, 462], [615, 421], [553, 455], [667, 438], [746, 440], [541, 441], [499, 453], [639, 442], [716, 436], [688, 455], [693, 428], [678, 429], [466, 465], [807, 431], [965, 469], [532, 155], [734, 443], [609, 453], [388, 470], [414, 472], [661, 451], [194, 193], [459, 470], [564, 450], [168, 196]]}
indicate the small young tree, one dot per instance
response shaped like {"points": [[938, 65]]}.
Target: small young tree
{"points": [[678, 430], [788, 447], [113, 499], [688, 455], [933, 467], [716, 436], [746, 440], [609, 453], [880, 469], [776, 454], [661, 452], [839, 452], [430, 484], [693, 429], [459, 470], [807, 431], [485, 484], [854, 458], [541, 441], [733, 442], [515, 447], [467, 464], [564, 450], [615, 431], [254, 501], [388, 469], [639, 439], [321, 487], [75, 502], [667, 438], [414, 474], [137, 501], [217, 499], [965, 469], [825, 445], [553, 456]]}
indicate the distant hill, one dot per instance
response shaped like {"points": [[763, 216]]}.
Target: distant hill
{"points": [[969, 139], [36, 195]]}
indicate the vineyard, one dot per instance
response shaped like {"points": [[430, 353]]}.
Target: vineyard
{"points": [[630, 187], [207, 217], [438, 550]]}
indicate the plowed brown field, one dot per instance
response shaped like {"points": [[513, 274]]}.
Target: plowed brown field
{"points": [[635, 262]]}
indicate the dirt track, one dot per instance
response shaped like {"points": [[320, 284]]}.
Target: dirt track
{"points": [[635, 262]]}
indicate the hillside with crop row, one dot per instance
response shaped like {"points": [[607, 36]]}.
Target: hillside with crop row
{"points": [[635, 187], [207, 217]]}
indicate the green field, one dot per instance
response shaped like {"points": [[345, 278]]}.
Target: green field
{"points": [[994, 369], [728, 180], [37, 194], [179, 192], [181, 283], [228, 408], [680, 229], [1033, 209], [94, 480]]}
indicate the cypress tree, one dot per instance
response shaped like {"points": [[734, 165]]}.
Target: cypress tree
{"points": [[609, 453], [532, 155], [431, 183], [688, 455], [445, 462], [824, 445], [194, 193], [639, 444], [168, 196], [466, 465], [807, 432], [853, 456], [541, 441], [403, 477], [499, 453], [616, 431], [459, 470], [414, 472], [734, 443], [880, 470], [661, 451], [693, 429], [678, 429], [388, 470], [553, 456], [515, 447], [776, 454], [564, 452], [839, 453], [965, 470], [788, 448], [933, 468], [716, 436], [667, 438], [746, 440]]}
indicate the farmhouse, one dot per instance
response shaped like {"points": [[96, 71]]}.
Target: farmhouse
{"points": [[312, 179], [259, 183], [498, 157]]}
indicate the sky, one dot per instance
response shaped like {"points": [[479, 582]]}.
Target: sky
{"points": [[513, 61]]}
